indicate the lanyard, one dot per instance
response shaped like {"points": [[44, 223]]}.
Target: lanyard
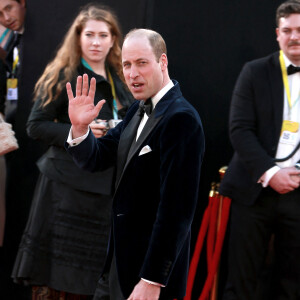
{"points": [[4, 34], [113, 90], [285, 81]]}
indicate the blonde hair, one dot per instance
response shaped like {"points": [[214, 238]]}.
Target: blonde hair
{"points": [[63, 67]]}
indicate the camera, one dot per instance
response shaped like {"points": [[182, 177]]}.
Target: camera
{"points": [[113, 123]]}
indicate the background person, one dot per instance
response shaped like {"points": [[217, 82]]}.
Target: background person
{"points": [[13, 214], [264, 124], [64, 244], [158, 159]]}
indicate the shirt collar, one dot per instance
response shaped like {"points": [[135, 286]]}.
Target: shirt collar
{"points": [[287, 62], [21, 31], [161, 93]]}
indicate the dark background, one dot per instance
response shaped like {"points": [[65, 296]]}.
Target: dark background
{"points": [[208, 43]]}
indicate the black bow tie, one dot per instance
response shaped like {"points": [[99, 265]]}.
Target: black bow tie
{"points": [[292, 69], [145, 107]]}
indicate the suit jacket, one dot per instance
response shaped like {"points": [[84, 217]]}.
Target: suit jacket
{"points": [[156, 193], [255, 125]]}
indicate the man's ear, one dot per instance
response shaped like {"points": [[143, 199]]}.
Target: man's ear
{"points": [[277, 33], [23, 3], [163, 61]]}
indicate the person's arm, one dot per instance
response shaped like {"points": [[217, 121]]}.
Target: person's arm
{"points": [[249, 112], [91, 154], [43, 121], [281, 180]]}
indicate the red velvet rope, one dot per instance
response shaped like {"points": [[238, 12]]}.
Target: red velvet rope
{"points": [[214, 244]]}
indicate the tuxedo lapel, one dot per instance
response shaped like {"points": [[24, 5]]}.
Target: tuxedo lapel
{"points": [[149, 126], [125, 151], [277, 91], [125, 143], [125, 156]]}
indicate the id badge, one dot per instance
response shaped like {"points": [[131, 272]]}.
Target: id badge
{"points": [[12, 89], [289, 132]]}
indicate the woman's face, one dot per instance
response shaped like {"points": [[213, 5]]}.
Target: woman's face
{"points": [[95, 41]]}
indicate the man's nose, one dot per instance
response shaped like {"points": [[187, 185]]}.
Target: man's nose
{"points": [[6, 16], [134, 72], [295, 35]]}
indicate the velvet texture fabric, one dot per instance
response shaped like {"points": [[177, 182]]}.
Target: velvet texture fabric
{"points": [[156, 193]]}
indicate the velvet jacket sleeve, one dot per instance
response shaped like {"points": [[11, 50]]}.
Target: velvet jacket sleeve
{"points": [[98, 154]]}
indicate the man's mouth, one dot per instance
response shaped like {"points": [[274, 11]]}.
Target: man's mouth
{"points": [[11, 25], [137, 85]]}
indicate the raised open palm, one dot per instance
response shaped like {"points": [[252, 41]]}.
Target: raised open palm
{"points": [[82, 110]]}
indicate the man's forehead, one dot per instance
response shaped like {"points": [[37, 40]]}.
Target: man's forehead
{"points": [[292, 19], [136, 41], [4, 3]]}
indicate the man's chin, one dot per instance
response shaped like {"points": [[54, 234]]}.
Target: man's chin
{"points": [[138, 96]]}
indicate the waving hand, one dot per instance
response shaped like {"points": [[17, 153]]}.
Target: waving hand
{"points": [[82, 110]]}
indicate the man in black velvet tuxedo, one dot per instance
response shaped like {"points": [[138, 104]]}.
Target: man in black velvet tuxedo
{"points": [[262, 178], [158, 158]]}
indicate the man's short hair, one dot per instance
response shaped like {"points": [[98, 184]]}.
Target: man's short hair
{"points": [[287, 8], [156, 41]]}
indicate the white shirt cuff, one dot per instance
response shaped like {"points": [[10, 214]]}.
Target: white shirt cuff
{"points": [[153, 283], [266, 177], [74, 142]]}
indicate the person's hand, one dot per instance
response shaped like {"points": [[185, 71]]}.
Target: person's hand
{"points": [[296, 178], [82, 110], [285, 180], [145, 291], [98, 128]]}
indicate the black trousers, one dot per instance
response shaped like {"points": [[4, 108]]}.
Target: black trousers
{"points": [[114, 286], [115, 292], [250, 230]]}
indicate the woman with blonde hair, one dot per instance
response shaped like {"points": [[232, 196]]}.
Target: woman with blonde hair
{"points": [[63, 247]]}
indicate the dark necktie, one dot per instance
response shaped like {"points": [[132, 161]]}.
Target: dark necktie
{"points": [[292, 69], [145, 107]]}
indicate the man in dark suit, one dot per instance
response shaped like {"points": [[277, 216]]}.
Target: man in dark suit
{"points": [[262, 178], [12, 16], [158, 159]]}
